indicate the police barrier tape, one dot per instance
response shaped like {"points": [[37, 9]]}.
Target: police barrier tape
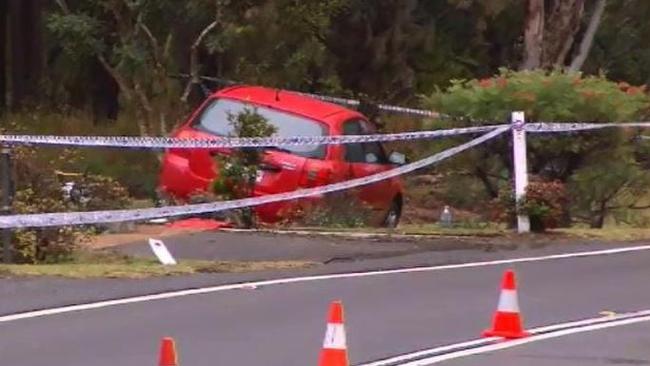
{"points": [[382, 107], [94, 217], [232, 142], [331, 99], [227, 142], [551, 127]]}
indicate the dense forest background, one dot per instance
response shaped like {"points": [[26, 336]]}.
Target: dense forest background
{"points": [[106, 57], [136, 66]]}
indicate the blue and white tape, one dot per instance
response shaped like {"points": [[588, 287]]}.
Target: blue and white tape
{"points": [[94, 217], [177, 143], [382, 107], [555, 127]]}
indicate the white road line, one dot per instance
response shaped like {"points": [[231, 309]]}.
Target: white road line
{"points": [[423, 353], [213, 289], [519, 342], [486, 342]]}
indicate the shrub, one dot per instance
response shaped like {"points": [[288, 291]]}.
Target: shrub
{"points": [[334, 210], [39, 189], [238, 170], [543, 203], [610, 185], [553, 96]]}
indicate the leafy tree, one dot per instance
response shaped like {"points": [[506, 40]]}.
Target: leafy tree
{"points": [[544, 96], [117, 34], [620, 47], [609, 184]]}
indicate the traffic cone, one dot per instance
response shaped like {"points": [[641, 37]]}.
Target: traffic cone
{"points": [[334, 352], [507, 321], [168, 355]]}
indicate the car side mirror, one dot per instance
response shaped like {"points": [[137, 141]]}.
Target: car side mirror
{"points": [[397, 158]]}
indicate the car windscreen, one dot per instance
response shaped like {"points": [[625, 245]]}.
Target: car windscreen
{"points": [[215, 119]]}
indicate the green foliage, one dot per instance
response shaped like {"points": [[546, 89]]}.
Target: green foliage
{"points": [[621, 46], [544, 204], [238, 169], [544, 96], [611, 184], [78, 34], [462, 191], [336, 210], [39, 184]]}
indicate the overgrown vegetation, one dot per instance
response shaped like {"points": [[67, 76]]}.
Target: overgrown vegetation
{"points": [[335, 210], [238, 169], [574, 160], [544, 203], [39, 187], [120, 67]]}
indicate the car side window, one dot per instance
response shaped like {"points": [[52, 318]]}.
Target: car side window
{"points": [[353, 152], [368, 152]]}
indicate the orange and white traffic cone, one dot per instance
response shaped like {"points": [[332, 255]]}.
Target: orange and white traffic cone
{"points": [[334, 352], [168, 355], [507, 321]]}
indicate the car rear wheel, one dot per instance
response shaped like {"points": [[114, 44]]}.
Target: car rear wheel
{"points": [[394, 214]]}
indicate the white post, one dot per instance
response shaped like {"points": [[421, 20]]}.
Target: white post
{"points": [[520, 166]]}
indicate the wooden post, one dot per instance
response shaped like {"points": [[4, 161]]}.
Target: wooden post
{"points": [[520, 167], [6, 176]]}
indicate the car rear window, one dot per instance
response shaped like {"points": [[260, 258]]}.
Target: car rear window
{"points": [[214, 119]]}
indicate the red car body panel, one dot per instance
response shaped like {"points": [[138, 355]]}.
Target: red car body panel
{"points": [[190, 171]]}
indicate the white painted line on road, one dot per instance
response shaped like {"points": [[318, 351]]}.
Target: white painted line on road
{"points": [[449, 348], [284, 281], [519, 342], [486, 345]]}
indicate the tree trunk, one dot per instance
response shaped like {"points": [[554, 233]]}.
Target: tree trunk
{"points": [[562, 24], [588, 38], [533, 35], [597, 220], [491, 190], [26, 49]]}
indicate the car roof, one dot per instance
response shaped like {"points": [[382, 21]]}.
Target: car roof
{"points": [[286, 101]]}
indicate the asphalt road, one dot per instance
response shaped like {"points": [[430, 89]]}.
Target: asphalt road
{"points": [[626, 345], [387, 315]]}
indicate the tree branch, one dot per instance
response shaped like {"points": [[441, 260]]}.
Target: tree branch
{"points": [[588, 39], [123, 85], [194, 60], [64, 6], [121, 82]]}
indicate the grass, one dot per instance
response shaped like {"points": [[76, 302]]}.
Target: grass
{"points": [[423, 229], [608, 233], [107, 265]]}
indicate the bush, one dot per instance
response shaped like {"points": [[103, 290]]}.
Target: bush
{"points": [[553, 96], [39, 189], [544, 96], [610, 185], [334, 210], [238, 170], [543, 203]]}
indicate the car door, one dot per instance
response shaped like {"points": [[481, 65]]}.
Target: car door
{"points": [[366, 159]]}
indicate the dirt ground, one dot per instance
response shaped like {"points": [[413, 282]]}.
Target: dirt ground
{"points": [[141, 233]]}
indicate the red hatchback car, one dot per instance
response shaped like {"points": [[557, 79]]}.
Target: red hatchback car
{"points": [[189, 171]]}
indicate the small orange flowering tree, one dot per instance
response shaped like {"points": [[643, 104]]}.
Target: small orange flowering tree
{"points": [[544, 96]]}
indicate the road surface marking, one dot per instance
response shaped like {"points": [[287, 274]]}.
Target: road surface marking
{"points": [[284, 281], [485, 345]]}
